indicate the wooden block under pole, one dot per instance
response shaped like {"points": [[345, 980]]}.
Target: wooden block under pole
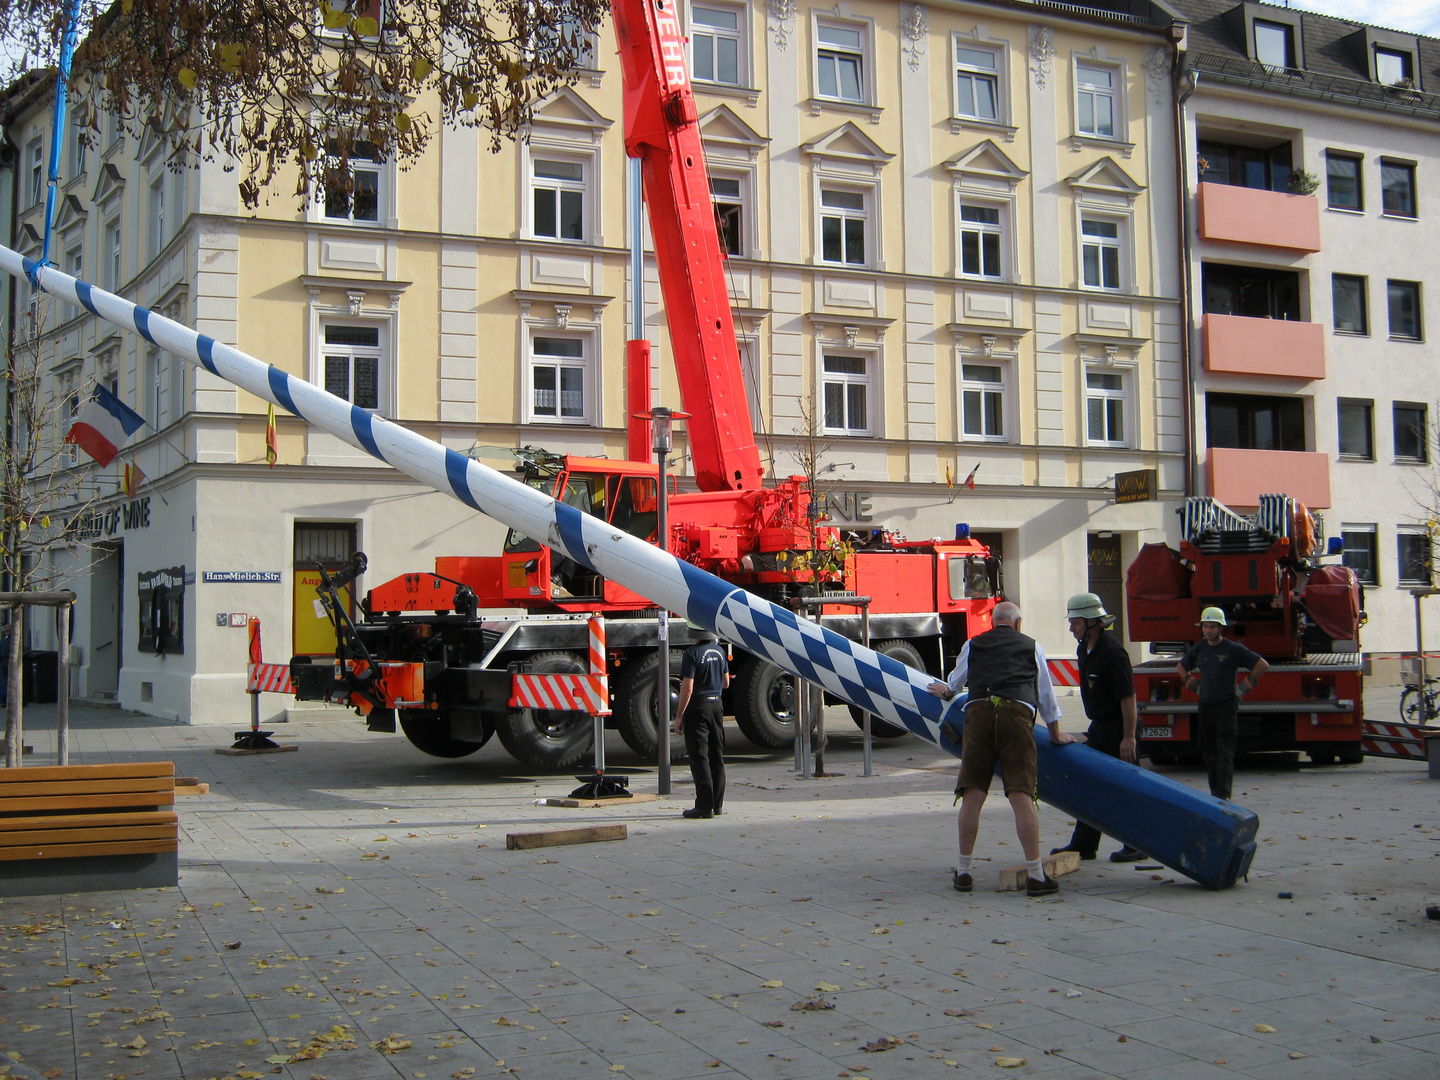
{"points": [[230, 751], [558, 837], [1012, 878], [591, 804]]}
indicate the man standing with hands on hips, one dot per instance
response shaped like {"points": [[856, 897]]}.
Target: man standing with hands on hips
{"points": [[704, 673], [1210, 666]]}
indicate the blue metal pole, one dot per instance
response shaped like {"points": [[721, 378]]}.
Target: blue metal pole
{"points": [[57, 127]]}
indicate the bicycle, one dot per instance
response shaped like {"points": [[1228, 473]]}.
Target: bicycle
{"points": [[1421, 705]]}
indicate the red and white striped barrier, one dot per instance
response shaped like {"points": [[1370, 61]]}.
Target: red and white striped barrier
{"points": [[568, 693], [269, 679], [1065, 672], [1396, 740]]}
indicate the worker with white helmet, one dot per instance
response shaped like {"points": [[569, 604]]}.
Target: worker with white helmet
{"points": [[1107, 690], [1210, 666]]}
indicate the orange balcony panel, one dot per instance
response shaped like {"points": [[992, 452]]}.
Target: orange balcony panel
{"points": [[1240, 215], [1238, 478], [1237, 345]]}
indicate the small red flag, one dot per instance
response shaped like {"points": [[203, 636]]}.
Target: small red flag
{"points": [[970, 480]]}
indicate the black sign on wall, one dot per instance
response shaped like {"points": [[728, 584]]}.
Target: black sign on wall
{"points": [[162, 611]]}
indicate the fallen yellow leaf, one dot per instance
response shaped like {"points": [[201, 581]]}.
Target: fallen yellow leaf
{"points": [[827, 988], [1265, 1029], [772, 984], [1010, 1062]]}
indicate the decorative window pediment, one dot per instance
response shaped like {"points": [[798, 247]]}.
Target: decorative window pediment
{"points": [[986, 164], [29, 240], [724, 131], [1105, 179], [70, 213], [108, 184], [848, 146], [568, 110]]}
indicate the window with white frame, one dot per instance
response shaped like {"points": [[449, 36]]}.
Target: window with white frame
{"points": [[351, 363], [177, 388], [1105, 395], [75, 267], [716, 46], [558, 197], [840, 61], [557, 379], [844, 223], [37, 171], [728, 195], [113, 253], [845, 390], [1100, 253], [977, 83], [982, 401], [982, 240], [355, 199], [1361, 551], [1095, 100], [1413, 555], [78, 150], [158, 236], [147, 394]]}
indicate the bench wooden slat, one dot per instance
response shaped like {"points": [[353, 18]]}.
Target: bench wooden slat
{"points": [[83, 802], [81, 821], [83, 787], [85, 772], [67, 851], [61, 840]]}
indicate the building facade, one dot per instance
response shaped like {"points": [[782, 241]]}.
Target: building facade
{"points": [[954, 239], [1311, 146]]}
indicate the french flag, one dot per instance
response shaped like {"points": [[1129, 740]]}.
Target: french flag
{"points": [[103, 425]]}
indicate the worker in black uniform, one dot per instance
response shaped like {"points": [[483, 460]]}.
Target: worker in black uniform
{"points": [[704, 674], [1107, 690]]}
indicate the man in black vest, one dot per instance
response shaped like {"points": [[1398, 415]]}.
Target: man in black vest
{"points": [[704, 673], [1009, 680]]}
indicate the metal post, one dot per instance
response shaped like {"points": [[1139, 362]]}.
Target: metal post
{"points": [[865, 727], [62, 699], [661, 419], [1420, 644]]}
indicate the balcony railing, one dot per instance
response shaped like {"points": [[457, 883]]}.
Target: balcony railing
{"points": [[1237, 478], [1237, 345], [1254, 216]]}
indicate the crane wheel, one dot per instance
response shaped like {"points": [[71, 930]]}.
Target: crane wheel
{"points": [[765, 703], [907, 654], [429, 732], [548, 738], [635, 701]]}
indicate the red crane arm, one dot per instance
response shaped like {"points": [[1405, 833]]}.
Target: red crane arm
{"points": [[662, 130]]}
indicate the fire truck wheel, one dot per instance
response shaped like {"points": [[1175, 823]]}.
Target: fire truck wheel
{"points": [[763, 697], [548, 738], [906, 654], [1352, 753], [429, 732], [635, 703]]}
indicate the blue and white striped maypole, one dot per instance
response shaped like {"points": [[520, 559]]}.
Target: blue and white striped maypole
{"points": [[1212, 846]]}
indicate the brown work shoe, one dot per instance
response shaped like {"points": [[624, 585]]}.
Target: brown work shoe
{"points": [[1037, 887]]}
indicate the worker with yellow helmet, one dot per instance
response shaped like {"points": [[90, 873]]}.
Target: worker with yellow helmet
{"points": [[1210, 667]]}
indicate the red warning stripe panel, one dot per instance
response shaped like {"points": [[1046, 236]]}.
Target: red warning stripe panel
{"points": [[567, 693], [269, 679], [1064, 672], [1395, 740]]}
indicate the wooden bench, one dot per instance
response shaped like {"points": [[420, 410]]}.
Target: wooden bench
{"points": [[84, 828]]}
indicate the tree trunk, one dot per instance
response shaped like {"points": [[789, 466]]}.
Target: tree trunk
{"points": [[15, 690]]}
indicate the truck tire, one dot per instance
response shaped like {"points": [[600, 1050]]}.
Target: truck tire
{"points": [[764, 699], [635, 703], [1351, 753], [548, 738], [429, 732], [907, 654]]}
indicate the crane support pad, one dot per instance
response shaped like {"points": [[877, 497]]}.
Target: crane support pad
{"points": [[557, 837]]}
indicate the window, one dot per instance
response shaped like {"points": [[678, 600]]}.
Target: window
{"points": [[352, 364], [1105, 408], [1361, 552], [1413, 551], [1100, 253], [843, 224], [1254, 422], [977, 83], [1250, 291], [37, 172], [147, 396], [725, 193], [1392, 66], [982, 401], [78, 149], [1274, 45], [358, 9], [1347, 294], [840, 62], [981, 233], [1397, 188], [358, 198], [1267, 168], [715, 44], [157, 215], [1356, 429], [559, 199], [1411, 432], [846, 389], [114, 251], [177, 388], [1404, 299], [1095, 100], [557, 376], [75, 267], [1342, 181]]}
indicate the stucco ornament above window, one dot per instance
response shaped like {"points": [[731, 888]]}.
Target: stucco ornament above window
{"points": [[1157, 73], [782, 19], [1042, 51], [916, 28]]}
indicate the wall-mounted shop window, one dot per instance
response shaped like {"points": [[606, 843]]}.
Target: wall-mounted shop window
{"points": [[162, 611]]}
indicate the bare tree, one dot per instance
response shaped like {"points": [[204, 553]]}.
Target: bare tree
{"points": [[262, 84], [828, 553]]}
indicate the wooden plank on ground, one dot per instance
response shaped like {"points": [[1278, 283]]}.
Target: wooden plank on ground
{"points": [[1012, 878], [86, 772], [230, 751], [590, 804], [558, 837], [192, 789]]}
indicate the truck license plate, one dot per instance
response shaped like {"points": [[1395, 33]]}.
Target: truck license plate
{"points": [[1156, 732]]}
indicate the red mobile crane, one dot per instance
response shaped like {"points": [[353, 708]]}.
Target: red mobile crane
{"points": [[1303, 616], [927, 597]]}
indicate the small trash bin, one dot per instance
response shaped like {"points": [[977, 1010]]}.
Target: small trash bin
{"points": [[41, 674], [1432, 754]]}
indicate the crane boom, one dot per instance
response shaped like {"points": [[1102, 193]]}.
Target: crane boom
{"points": [[662, 130]]}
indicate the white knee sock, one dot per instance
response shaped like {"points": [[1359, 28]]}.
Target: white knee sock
{"points": [[1035, 869]]}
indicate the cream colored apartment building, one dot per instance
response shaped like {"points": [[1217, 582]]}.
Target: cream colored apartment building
{"points": [[954, 246]]}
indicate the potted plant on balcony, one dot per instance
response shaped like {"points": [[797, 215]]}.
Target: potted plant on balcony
{"points": [[1303, 183]]}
